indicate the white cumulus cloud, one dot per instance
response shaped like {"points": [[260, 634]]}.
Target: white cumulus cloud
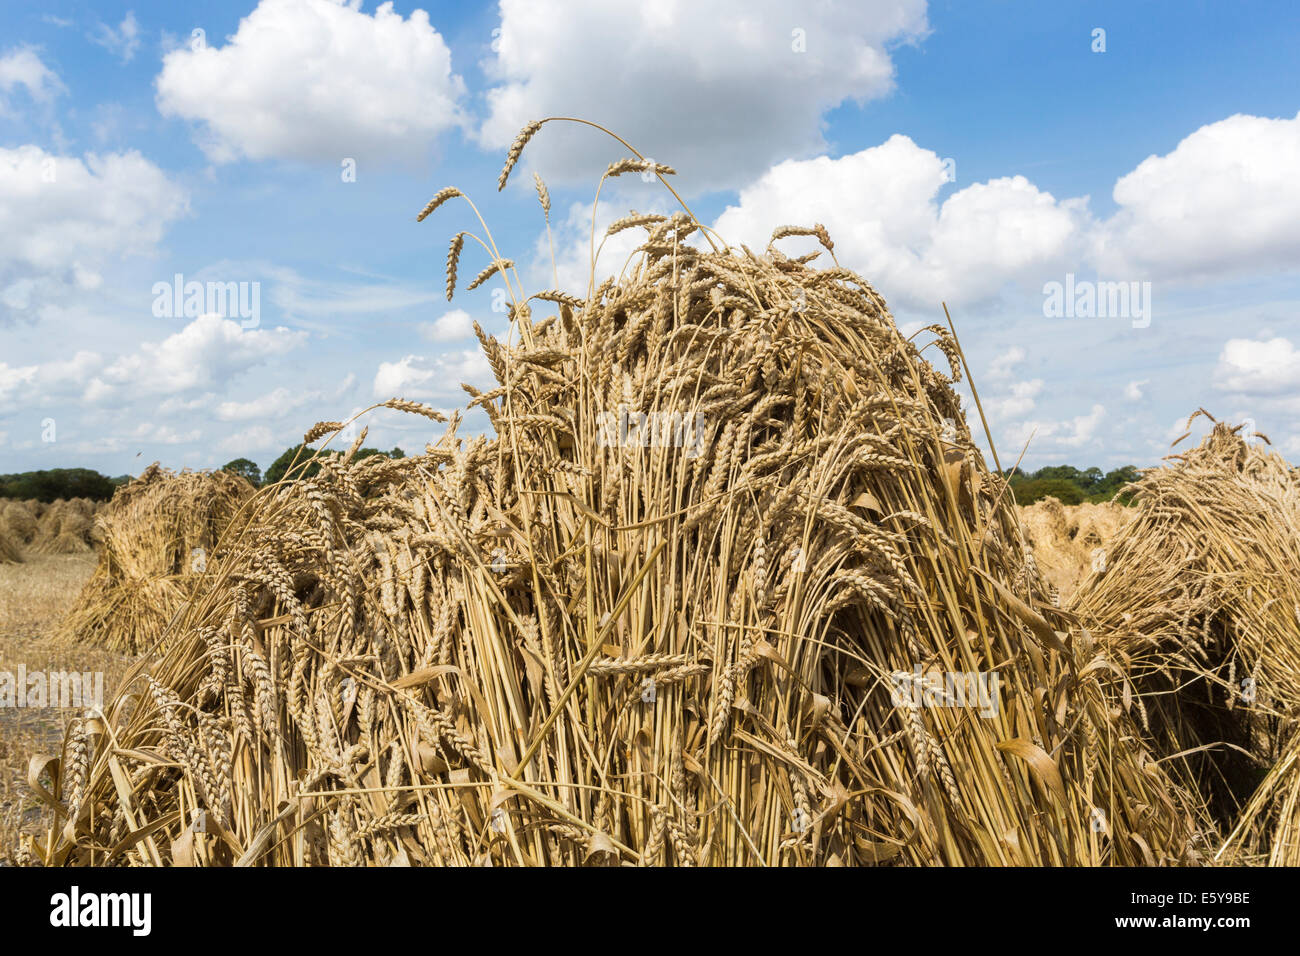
{"points": [[1226, 200], [316, 80], [31, 386], [207, 352], [455, 326], [1258, 367], [415, 376], [62, 219], [881, 208], [718, 90]]}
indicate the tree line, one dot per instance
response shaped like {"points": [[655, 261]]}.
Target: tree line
{"points": [[1072, 486], [305, 468], [1069, 484], [51, 484], [55, 483]]}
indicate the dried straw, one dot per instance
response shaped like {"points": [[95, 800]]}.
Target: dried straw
{"points": [[65, 528], [11, 542], [1200, 599], [559, 644], [158, 535], [21, 518], [1067, 540]]}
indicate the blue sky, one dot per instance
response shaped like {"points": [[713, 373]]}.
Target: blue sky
{"points": [[972, 153]]}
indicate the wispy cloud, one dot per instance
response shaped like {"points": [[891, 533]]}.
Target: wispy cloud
{"points": [[123, 40]]}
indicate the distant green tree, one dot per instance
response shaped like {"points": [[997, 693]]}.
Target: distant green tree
{"points": [[244, 468], [1110, 486], [57, 483], [1029, 490], [1091, 484], [306, 468], [280, 466], [1058, 472]]}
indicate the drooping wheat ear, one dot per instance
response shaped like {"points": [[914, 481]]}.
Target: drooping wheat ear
{"points": [[516, 149], [343, 849], [319, 430], [622, 166], [415, 408], [497, 266], [946, 344], [453, 261], [724, 696], [544, 195], [450, 192], [558, 297], [78, 769], [492, 349], [481, 398], [816, 229], [632, 221]]}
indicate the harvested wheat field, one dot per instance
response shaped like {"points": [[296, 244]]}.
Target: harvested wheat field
{"points": [[34, 597], [155, 538], [660, 614], [1068, 542]]}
